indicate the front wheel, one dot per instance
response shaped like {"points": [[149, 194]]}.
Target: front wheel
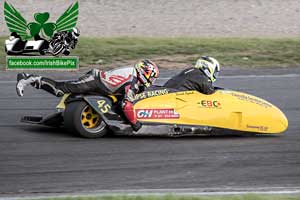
{"points": [[66, 52], [82, 119]]}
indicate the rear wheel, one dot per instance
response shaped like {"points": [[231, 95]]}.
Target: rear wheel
{"points": [[42, 52], [82, 119]]}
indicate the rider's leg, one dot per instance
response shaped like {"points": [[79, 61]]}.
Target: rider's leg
{"points": [[85, 84]]}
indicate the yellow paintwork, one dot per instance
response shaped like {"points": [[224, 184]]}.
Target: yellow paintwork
{"points": [[232, 110], [113, 98], [61, 105]]}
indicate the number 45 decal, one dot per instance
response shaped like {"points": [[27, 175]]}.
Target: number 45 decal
{"points": [[103, 106]]}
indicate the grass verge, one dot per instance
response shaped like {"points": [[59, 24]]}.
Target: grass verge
{"points": [[172, 197], [244, 52]]}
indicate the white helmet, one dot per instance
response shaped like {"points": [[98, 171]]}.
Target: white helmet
{"points": [[75, 32], [209, 66]]}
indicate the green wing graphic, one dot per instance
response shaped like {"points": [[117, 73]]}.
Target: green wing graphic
{"points": [[15, 22], [68, 19]]}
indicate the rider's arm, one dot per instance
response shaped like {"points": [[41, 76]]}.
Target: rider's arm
{"points": [[206, 87], [130, 91], [193, 79]]}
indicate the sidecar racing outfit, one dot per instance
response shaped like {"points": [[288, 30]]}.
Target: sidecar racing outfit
{"points": [[126, 81]]}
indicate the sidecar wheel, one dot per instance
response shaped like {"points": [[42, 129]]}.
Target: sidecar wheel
{"points": [[81, 119]]}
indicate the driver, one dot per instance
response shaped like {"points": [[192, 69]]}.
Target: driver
{"points": [[200, 77], [127, 81]]}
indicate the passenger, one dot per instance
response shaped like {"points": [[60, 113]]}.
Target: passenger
{"points": [[200, 77]]}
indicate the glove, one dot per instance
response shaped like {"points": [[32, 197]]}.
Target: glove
{"points": [[136, 126]]}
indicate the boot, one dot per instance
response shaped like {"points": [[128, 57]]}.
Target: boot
{"points": [[24, 79]]}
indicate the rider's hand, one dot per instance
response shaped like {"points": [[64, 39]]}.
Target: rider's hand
{"points": [[136, 126]]}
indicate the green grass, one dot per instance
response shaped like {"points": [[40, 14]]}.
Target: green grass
{"points": [[171, 197], [244, 52]]}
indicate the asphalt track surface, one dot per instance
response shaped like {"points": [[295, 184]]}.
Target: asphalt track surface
{"points": [[39, 160]]}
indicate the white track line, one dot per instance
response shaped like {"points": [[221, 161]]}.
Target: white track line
{"points": [[252, 76], [221, 77], [160, 192]]}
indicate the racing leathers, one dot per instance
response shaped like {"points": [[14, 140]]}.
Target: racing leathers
{"points": [[191, 79], [121, 81]]}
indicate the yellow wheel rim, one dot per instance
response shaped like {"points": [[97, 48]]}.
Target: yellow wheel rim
{"points": [[89, 118]]}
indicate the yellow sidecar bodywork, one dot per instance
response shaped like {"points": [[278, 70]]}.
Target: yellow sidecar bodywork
{"points": [[223, 109]]}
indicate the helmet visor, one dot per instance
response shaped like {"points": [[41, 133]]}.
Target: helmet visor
{"points": [[216, 74], [152, 79], [143, 80]]}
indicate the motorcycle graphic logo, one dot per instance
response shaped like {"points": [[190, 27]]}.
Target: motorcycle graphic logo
{"points": [[40, 35]]}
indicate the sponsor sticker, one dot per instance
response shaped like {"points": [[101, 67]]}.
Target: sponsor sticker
{"points": [[165, 113], [184, 93], [152, 93], [261, 128], [209, 104], [250, 99]]}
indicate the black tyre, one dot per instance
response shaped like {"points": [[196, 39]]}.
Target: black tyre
{"points": [[66, 53], [81, 119], [42, 52]]}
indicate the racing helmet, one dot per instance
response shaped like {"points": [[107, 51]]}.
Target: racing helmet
{"points": [[209, 66], [147, 72], [75, 32]]}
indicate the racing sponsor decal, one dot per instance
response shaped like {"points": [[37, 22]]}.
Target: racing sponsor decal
{"points": [[251, 99], [115, 80], [184, 93], [165, 113], [103, 106], [260, 128], [209, 104], [152, 93]]}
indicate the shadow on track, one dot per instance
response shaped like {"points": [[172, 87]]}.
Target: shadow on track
{"points": [[61, 132]]}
